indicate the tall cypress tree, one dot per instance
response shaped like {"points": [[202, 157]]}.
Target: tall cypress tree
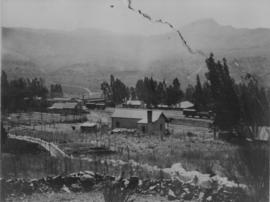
{"points": [[226, 103]]}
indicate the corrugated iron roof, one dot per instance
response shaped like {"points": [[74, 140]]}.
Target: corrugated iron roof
{"points": [[140, 114]]}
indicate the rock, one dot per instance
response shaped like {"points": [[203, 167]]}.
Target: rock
{"points": [[98, 177], [171, 195], [186, 190], [187, 196], [87, 183], [133, 183], [65, 189], [69, 180], [126, 182], [57, 182], [200, 198], [209, 198], [75, 187], [89, 173], [152, 187]]}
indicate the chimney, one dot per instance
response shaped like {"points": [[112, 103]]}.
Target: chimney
{"points": [[149, 116]]}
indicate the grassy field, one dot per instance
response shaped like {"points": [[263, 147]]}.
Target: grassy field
{"points": [[95, 196], [194, 147]]}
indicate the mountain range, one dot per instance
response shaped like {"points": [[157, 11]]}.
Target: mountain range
{"points": [[86, 57]]}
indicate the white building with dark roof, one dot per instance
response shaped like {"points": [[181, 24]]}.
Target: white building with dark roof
{"points": [[88, 127], [66, 107], [146, 121]]}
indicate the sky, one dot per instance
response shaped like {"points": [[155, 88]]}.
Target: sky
{"points": [[98, 14]]}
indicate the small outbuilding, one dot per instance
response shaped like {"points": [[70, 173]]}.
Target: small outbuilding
{"points": [[88, 127]]}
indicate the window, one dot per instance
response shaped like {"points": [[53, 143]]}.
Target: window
{"points": [[160, 126], [117, 124]]}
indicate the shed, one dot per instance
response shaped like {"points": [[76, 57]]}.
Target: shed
{"points": [[88, 127]]}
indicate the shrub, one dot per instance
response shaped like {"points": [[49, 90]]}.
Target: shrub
{"points": [[119, 190]]}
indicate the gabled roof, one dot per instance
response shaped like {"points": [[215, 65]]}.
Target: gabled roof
{"points": [[140, 114], [64, 105]]}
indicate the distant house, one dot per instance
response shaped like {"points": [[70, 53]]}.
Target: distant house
{"points": [[96, 100], [66, 108], [146, 121], [134, 104]]}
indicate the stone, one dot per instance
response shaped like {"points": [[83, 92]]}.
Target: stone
{"points": [[209, 198], [133, 183], [171, 195], [75, 187], [65, 189], [187, 196]]}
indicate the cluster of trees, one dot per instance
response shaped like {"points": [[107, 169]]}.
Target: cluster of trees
{"points": [[254, 103], [245, 103], [25, 94], [226, 103], [116, 92], [154, 93], [56, 90], [148, 90], [22, 94], [200, 95]]}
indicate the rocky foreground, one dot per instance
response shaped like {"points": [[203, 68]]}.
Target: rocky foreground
{"points": [[88, 181]]}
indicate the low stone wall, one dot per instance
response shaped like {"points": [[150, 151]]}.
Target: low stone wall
{"points": [[112, 187]]}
